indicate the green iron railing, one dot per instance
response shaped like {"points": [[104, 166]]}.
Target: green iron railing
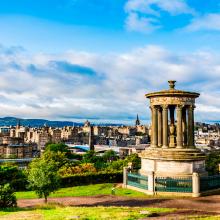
{"points": [[137, 180], [209, 183], [169, 184]]}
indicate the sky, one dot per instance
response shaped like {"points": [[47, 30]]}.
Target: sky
{"points": [[96, 59]]}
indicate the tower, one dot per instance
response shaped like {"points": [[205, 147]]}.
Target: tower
{"points": [[91, 138], [137, 122]]}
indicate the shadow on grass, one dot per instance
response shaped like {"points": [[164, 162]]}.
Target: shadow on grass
{"points": [[48, 206]]}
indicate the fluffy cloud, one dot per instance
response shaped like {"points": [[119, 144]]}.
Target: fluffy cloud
{"points": [[205, 22], [144, 15], [110, 87]]}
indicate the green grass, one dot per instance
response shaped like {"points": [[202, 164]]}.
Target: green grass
{"points": [[90, 190], [51, 212]]}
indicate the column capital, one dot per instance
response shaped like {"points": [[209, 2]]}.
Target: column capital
{"points": [[165, 106], [192, 107], [179, 107]]}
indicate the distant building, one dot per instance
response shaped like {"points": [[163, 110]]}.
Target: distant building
{"points": [[137, 122]]}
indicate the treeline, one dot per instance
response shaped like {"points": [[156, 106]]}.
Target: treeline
{"points": [[57, 167]]}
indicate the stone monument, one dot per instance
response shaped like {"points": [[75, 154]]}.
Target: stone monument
{"points": [[172, 151]]}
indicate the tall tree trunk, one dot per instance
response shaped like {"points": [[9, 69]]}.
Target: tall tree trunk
{"points": [[45, 199]]}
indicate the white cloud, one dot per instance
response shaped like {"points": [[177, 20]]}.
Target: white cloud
{"points": [[113, 87], [141, 24], [205, 22], [173, 7], [144, 15]]}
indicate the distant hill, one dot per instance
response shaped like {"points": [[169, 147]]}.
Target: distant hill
{"points": [[12, 121]]}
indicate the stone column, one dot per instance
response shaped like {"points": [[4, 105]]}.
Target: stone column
{"points": [[125, 177], [196, 185], [172, 127], [160, 127], [154, 129], [179, 135], [165, 126], [151, 183], [184, 127], [191, 126]]}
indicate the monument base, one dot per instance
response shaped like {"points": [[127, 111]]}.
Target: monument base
{"points": [[172, 162]]}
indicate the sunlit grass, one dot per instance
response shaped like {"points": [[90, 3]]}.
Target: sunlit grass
{"points": [[51, 212], [90, 190]]}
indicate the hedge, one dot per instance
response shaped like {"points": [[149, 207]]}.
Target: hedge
{"points": [[92, 178]]}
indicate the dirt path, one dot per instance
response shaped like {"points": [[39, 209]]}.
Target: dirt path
{"points": [[209, 205]]}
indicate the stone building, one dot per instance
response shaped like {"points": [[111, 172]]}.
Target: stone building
{"points": [[16, 151]]}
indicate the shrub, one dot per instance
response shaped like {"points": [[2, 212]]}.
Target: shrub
{"points": [[212, 163], [109, 156], [135, 160], [14, 176], [117, 165], [92, 178], [82, 168], [7, 197]]}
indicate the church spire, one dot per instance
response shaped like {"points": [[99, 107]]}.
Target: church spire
{"points": [[137, 121]]}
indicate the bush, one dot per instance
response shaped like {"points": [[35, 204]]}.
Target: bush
{"points": [[117, 165], [109, 156], [212, 163], [7, 197], [14, 176], [92, 178], [135, 160], [81, 168]]}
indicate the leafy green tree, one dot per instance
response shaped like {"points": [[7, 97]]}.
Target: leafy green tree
{"points": [[57, 147], [109, 156], [59, 158], [212, 163], [135, 160], [11, 174], [43, 177], [116, 165], [60, 147], [90, 157], [7, 196]]}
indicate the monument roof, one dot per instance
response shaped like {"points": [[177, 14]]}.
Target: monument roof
{"points": [[172, 92]]}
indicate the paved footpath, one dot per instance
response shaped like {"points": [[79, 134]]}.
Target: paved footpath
{"points": [[209, 205]]}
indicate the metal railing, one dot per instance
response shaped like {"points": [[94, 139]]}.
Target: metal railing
{"points": [[173, 184], [209, 183], [137, 180]]}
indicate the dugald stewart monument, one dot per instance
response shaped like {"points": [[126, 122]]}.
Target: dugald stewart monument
{"points": [[172, 163], [172, 150]]}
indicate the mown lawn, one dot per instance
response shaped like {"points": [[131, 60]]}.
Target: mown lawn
{"points": [[51, 212], [90, 190]]}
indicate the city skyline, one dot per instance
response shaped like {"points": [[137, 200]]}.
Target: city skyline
{"points": [[74, 60]]}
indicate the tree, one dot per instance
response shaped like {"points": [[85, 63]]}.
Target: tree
{"points": [[7, 197], [9, 173], [109, 156], [135, 160], [43, 177], [57, 147], [57, 157], [212, 163], [60, 147]]}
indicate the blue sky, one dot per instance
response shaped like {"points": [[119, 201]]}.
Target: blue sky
{"points": [[95, 59]]}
